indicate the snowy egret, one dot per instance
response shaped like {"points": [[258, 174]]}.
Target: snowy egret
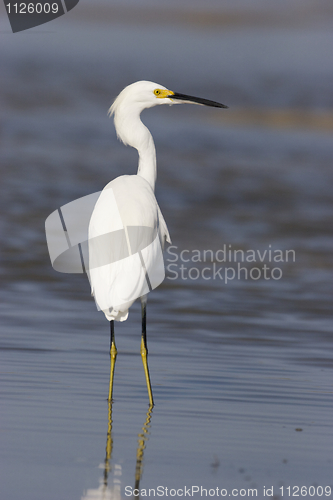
{"points": [[119, 268]]}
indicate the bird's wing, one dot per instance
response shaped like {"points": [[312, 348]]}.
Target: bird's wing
{"points": [[163, 229], [124, 245]]}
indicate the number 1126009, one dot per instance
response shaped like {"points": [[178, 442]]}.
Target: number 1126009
{"points": [[303, 491], [30, 8]]}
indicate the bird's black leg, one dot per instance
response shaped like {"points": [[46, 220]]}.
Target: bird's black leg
{"points": [[113, 356], [144, 350]]}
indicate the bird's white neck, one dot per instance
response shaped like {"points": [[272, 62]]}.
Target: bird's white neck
{"points": [[147, 159], [131, 131]]}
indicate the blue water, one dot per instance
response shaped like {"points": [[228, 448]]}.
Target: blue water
{"points": [[241, 371]]}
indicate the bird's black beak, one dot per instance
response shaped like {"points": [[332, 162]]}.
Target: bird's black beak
{"points": [[196, 100]]}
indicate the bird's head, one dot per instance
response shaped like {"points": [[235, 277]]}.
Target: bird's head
{"points": [[141, 95]]}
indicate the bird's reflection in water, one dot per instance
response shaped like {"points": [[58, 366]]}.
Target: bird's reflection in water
{"points": [[106, 491], [143, 437]]}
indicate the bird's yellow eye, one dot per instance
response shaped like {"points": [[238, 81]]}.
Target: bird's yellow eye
{"points": [[162, 93]]}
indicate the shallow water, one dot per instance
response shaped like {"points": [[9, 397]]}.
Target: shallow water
{"points": [[241, 371]]}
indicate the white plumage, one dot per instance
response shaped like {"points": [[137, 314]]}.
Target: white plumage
{"points": [[128, 202], [117, 284], [127, 231]]}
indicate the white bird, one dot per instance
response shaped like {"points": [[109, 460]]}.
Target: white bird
{"points": [[127, 231]]}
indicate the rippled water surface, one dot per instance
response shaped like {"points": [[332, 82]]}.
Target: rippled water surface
{"points": [[241, 371]]}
